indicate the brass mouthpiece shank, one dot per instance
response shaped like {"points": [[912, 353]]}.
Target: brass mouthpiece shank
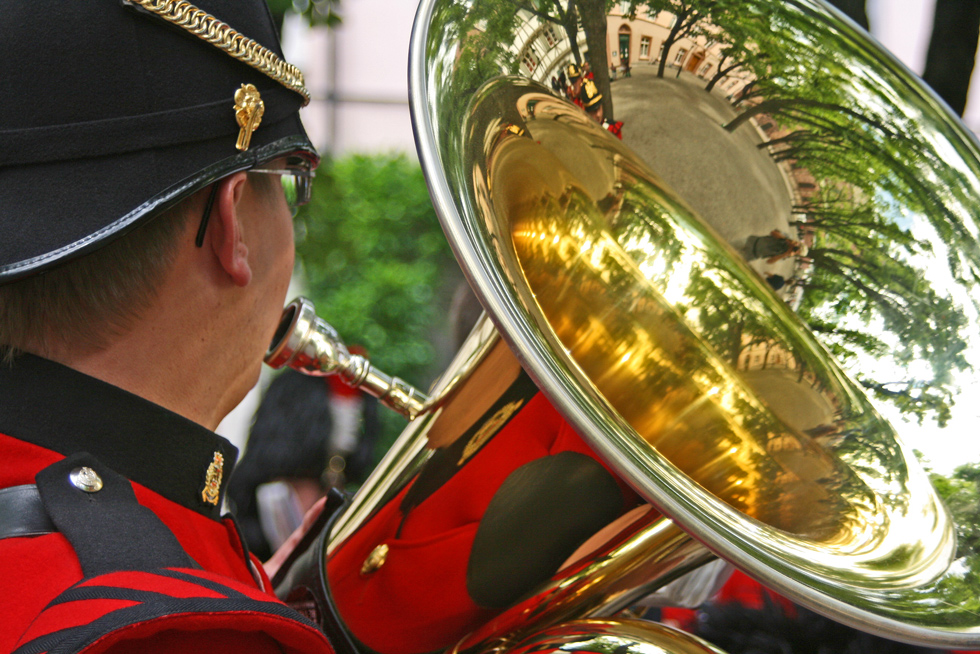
{"points": [[307, 343]]}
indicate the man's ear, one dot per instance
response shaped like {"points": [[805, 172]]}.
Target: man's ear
{"points": [[226, 236]]}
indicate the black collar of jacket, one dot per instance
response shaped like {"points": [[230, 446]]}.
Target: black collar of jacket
{"points": [[55, 407]]}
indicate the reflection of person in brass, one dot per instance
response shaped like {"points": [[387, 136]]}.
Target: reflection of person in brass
{"points": [[592, 103], [508, 496], [775, 281], [772, 247], [574, 89], [745, 617], [147, 179]]}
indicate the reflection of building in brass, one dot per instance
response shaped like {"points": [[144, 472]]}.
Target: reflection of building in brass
{"points": [[375, 559]]}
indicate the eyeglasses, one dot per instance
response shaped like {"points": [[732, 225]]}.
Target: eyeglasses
{"points": [[297, 186]]}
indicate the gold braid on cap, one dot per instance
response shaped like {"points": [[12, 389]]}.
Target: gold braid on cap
{"points": [[202, 24]]}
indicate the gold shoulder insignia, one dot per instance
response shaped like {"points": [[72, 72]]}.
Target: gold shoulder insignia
{"points": [[212, 481], [488, 429]]}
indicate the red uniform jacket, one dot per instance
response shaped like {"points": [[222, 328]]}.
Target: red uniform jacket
{"points": [[144, 564], [487, 519]]}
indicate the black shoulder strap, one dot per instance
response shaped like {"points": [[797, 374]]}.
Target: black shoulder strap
{"points": [[22, 513], [108, 529]]}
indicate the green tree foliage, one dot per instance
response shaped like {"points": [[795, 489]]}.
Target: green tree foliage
{"points": [[376, 263], [487, 31], [736, 50], [862, 275], [870, 154], [961, 494], [561, 12]]}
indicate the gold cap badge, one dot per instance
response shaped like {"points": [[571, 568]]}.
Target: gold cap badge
{"points": [[212, 481], [249, 109]]}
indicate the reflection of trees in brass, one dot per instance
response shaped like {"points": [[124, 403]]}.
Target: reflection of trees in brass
{"points": [[487, 31], [736, 49], [558, 12], [868, 152], [944, 604], [834, 119], [961, 494], [870, 282], [481, 34], [834, 114], [691, 19], [593, 14], [602, 279]]}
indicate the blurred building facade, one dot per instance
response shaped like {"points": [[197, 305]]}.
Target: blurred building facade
{"points": [[358, 75]]}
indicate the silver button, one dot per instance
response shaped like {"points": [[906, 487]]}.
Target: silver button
{"points": [[85, 479]]}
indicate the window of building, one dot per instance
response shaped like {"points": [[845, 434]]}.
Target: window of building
{"points": [[550, 36], [529, 60], [705, 68], [645, 47], [660, 53], [680, 56]]}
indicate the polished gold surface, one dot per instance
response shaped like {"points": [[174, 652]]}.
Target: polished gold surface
{"points": [[605, 576], [623, 276], [307, 343], [644, 300], [221, 35], [249, 110], [630, 276]]}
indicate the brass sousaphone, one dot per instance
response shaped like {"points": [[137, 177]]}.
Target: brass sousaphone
{"points": [[625, 279]]}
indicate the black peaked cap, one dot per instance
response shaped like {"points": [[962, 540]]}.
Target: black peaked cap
{"points": [[110, 114]]}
